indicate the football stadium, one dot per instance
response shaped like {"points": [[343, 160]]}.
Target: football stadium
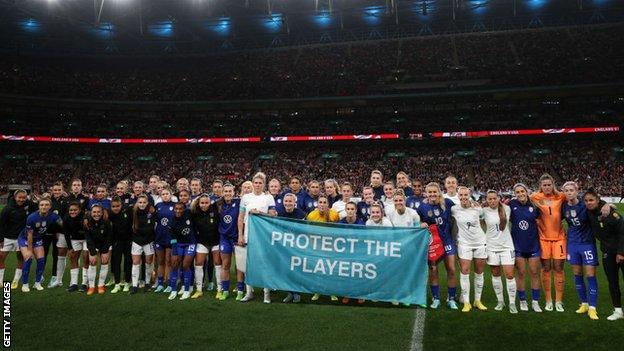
{"points": [[312, 174]]}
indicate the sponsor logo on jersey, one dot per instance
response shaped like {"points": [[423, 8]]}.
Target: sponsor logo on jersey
{"points": [[227, 219], [524, 225]]}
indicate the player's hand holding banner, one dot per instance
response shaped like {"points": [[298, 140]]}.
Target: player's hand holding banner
{"points": [[373, 263]]}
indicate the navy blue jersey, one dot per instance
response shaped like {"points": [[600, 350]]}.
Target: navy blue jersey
{"points": [[358, 221], [579, 226], [214, 198], [434, 214], [408, 191], [297, 213], [310, 203], [183, 229], [164, 217], [41, 225], [414, 202], [228, 218], [524, 226], [302, 197], [363, 210], [332, 199], [105, 203], [378, 192]]}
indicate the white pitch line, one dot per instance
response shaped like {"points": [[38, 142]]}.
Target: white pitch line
{"points": [[418, 331]]}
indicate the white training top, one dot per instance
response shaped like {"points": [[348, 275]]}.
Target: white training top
{"points": [[388, 204], [251, 201], [385, 222], [455, 198], [409, 218], [497, 240], [339, 206], [469, 232]]}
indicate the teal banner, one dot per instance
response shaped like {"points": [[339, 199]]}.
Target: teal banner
{"points": [[372, 263]]}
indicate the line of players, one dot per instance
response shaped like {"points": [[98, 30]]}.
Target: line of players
{"points": [[186, 230]]}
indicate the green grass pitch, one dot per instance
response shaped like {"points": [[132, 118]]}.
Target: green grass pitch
{"points": [[55, 319]]}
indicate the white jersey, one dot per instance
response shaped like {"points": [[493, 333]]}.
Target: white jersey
{"points": [[388, 204], [339, 206], [409, 218], [385, 222], [497, 240], [455, 198], [469, 232], [262, 203]]}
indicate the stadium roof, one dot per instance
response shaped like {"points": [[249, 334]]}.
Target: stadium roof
{"points": [[197, 26]]}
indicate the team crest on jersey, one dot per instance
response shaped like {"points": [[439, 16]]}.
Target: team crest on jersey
{"points": [[101, 231], [279, 201], [188, 222], [430, 213], [170, 208], [234, 204], [55, 211], [43, 224], [149, 221], [125, 215], [573, 213], [436, 212], [530, 209]]}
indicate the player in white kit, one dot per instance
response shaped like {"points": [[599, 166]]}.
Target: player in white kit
{"points": [[471, 241], [255, 202], [500, 249], [402, 216]]}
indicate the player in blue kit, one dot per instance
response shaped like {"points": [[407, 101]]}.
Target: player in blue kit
{"points": [[582, 252], [363, 207], [183, 241], [525, 237], [164, 216], [351, 218], [217, 191], [417, 196], [228, 209], [437, 211], [30, 241], [314, 190], [289, 210], [331, 191], [100, 198]]}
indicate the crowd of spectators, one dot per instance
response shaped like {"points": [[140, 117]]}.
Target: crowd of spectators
{"points": [[481, 166], [534, 57]]}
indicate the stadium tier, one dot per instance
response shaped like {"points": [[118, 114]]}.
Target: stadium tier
{"points": [[541, 57]]}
